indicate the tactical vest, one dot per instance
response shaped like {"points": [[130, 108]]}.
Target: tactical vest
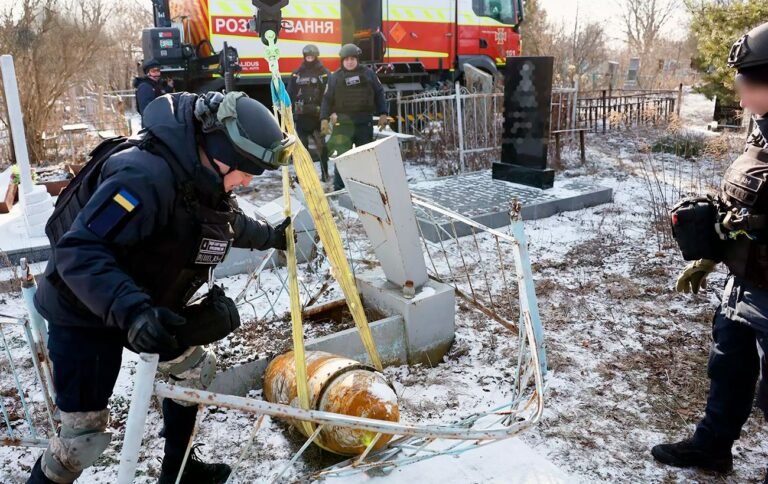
{"points": [[311, 87], [175, 262], [159, 88], [354, 93], [744, 195]]}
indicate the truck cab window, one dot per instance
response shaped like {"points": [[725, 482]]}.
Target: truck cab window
{"points": [[500, 10]]}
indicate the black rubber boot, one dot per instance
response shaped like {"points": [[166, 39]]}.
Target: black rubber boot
{"points": [[179, 423], [195, 472], [37, 476], [687, 454]]}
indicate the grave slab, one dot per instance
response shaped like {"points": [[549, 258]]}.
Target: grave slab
{"points": [[487, 201]]}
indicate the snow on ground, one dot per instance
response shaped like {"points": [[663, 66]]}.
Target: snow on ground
{"points": [[696, 111], [627, 354]]}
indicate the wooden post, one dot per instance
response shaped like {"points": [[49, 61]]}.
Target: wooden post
{"points": [[605, 112], [582, 146], [100, 109], [679, 99], [557, 149]]}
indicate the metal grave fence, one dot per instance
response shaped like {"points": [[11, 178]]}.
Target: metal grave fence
{"points": [[456, 129], [489, 269], [26, 386]]}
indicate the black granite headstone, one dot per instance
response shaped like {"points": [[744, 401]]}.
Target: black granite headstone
{"points": [[527, 108]]}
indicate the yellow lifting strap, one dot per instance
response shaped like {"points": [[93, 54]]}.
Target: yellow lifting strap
{"points": [[326, 227], [300, 361]]}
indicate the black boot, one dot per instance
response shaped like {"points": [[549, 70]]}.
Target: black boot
{"points": [[179, 422], [688, 454], [195, 472], [37, 476]]}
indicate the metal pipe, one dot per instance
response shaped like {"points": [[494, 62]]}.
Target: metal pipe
{"points": [[146, 370], [28, 290], [251, 405], [460, 122], [528, 303]]}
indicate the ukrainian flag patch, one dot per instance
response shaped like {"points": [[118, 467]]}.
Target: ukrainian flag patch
{"points": [[113, 213]]}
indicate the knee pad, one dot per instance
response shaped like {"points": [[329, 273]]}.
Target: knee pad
{"points": [[195, 368], [81, 440]]}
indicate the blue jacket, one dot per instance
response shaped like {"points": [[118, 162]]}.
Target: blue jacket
{"points": [[147, 91], [135, 243]]}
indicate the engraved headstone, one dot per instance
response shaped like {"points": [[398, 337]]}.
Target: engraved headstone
{"points": [[527, 107]]}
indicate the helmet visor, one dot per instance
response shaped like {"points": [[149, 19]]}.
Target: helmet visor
{"points": [[271, 157]]}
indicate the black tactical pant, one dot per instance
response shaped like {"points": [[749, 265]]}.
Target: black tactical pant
{"points": [[347, 134], [737, 361], [86, 362], [309, 126]]}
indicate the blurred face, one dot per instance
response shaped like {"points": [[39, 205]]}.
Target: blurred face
{"points": [[154, 73], [752, 96], [350, 63], [310, 58], [233, 178]]}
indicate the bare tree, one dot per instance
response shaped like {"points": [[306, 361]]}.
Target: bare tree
{"points": [[590, 51], [54, 44], [644, 20], [124, 29]]}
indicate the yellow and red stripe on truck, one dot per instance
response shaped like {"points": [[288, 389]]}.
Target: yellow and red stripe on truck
{"points": [[433, 32]]}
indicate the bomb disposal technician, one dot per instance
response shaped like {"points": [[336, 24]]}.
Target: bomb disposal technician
{"points": [[306, 88], [135, 235], [353, 97]]}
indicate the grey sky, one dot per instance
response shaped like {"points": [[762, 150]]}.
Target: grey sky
{"points": [[607, 12]]}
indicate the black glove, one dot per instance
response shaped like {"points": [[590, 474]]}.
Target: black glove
{"points": [[277, 238], [149, 330], [212, 318]]}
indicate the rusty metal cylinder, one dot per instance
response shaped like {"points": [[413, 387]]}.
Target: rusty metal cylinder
{"points": [[338, 385]]}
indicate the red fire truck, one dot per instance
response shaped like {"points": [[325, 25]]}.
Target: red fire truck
{"points": [[407, 42]]}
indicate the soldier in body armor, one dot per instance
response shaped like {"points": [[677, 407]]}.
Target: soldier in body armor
{"points": [[151, 86], [353, 97], [306, 89], [739, 357], [133, 237]]}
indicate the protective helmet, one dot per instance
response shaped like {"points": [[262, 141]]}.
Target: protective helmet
{"points": [[350, 50], [149, 64], [751, 50], [310, 49], [242, 133]]}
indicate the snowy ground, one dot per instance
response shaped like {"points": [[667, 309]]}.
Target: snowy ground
{"points": [[627, 354]]}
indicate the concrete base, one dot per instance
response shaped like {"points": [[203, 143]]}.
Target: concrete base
{"points": [[487, 201], [531, 177], [429, 317], [417, 330], [510, 461], [15, 241]]}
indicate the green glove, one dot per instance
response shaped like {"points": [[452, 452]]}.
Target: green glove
{"points": [[694, 276]]}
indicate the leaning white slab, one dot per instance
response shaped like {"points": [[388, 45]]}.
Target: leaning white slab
{"points": [[510, 461]]}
